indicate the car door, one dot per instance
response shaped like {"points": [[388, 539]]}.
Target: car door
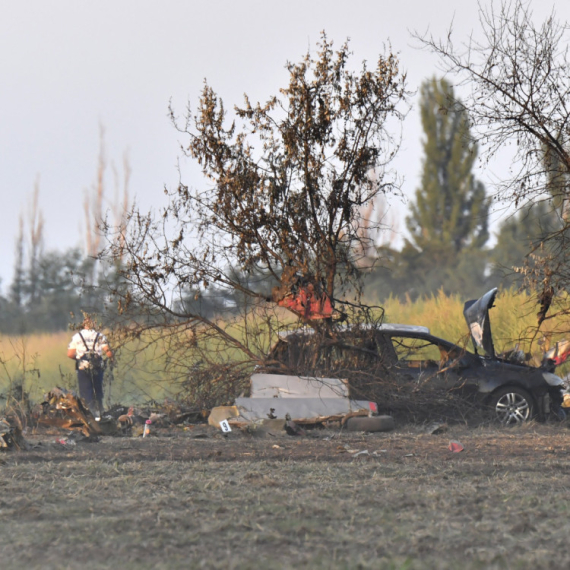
{"points": [[426, 364]]}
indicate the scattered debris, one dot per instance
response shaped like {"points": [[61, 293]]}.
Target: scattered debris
{"points": [[272, 426], [11, 437], [292, 428], [455, 446], [64, 409], [559, 353], [77, 437], [222, 413], [240, 418], [353, 452], [65, 441], [360, 453], [125, 421]]}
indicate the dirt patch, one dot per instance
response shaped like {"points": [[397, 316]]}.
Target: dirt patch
{"points": [[282, 502]]}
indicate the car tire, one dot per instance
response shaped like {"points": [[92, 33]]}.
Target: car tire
{"points": [[512, 406], [370, 424]]}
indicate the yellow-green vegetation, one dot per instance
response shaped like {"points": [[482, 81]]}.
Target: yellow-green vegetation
{"points": [[513, 320], [39, 361]]}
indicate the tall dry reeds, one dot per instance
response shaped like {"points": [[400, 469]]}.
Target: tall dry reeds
{"points": [[513, 319]]}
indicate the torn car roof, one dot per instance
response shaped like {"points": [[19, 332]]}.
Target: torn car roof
{"points": [[385, 327]]}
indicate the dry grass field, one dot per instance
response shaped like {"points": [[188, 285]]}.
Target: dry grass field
{"points": [[194, 498], [176, 500]]}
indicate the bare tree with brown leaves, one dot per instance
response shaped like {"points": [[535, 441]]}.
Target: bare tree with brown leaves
{"points": [[287, 184], [516, 88]]}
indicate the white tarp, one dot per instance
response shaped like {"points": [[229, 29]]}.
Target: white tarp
{"points": [[298, 408], [278, 386]]}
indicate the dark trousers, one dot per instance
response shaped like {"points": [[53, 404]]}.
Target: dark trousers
{"points": [[91, 388]]}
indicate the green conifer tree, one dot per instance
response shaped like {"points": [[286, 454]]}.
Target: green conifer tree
{"points": [[448, 222]]}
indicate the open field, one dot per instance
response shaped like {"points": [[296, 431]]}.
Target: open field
{"points": [[179, 501]]}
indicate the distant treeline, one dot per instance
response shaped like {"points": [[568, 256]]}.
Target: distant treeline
{"points": [[53, 291]]}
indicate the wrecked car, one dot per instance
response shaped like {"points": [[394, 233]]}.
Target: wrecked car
{"points": [[406, 361]]}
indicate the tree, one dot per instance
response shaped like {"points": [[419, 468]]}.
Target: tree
{"points": [[287, 181], [448, 222], [518, 235], [517, 87], [451, 208], [36, 226], [17, 286]]}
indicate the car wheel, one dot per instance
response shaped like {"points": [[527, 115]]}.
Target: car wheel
{"points": [[512, 406]]}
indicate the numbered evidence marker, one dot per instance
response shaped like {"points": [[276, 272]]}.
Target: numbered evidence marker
{"points": [[225, 426]]}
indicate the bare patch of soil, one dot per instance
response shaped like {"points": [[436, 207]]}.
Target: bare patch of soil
{"points": [[198, 499]]}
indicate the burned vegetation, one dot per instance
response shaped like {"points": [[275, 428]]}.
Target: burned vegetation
{"points": [[366, 359], [278, 230]]}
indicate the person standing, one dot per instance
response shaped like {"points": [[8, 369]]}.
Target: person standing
{"points": [[87, 348]]}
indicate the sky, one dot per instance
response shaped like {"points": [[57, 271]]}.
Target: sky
{"points": [[70, 69]]}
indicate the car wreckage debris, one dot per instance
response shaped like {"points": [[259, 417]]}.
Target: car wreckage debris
{"points": [[456, 446], [355, 421], [291, 428], [64, 409], [11, 437]]}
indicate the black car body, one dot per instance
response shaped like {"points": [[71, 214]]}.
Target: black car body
{"points": [[406, 359]]}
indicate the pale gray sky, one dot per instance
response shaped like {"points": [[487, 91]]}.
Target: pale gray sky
{"points": [[68, 66]]}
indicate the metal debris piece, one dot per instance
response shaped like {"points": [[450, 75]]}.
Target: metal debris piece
{"points": [[456, 446], [11, 437], [363, 452], [64, 409], [292, 428], [125, 421], [272, 427]]}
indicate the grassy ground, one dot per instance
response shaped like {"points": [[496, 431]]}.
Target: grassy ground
{"points": [[217, 502]]}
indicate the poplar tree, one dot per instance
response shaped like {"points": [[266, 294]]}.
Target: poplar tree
{"points": [[448, 221], [516, 66]]}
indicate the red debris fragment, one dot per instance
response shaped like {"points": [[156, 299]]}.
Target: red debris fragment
{"points": [[455, 447]]}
